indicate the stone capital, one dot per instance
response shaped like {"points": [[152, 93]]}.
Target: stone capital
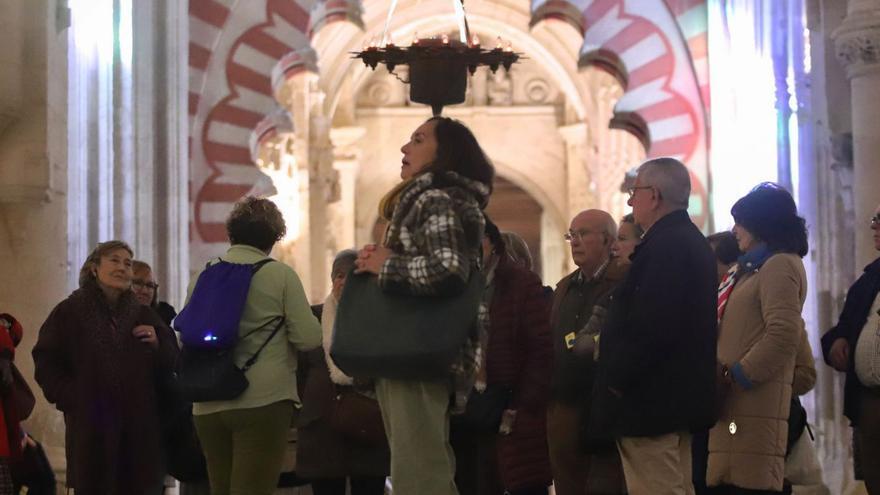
{"points": [[857, 41], [574, 134]]}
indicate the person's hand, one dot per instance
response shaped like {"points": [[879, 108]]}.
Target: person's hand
{"points": [[371, 258], [584, 346], [839, 354], [27, 441], [147, 335], [5, 373]]}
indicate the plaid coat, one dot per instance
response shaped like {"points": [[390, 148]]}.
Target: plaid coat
{"points": [[435, 235]]}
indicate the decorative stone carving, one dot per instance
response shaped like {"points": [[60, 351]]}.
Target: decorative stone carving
{"points": [[841, 147], [500, 89], [857, 42], [379, 93], [537, 90]]}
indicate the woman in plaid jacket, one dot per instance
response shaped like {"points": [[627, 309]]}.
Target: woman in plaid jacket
{"points": [[432, 243]]}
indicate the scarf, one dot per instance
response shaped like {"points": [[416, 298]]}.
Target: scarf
{"points": [[750, 262], [328, 317]]}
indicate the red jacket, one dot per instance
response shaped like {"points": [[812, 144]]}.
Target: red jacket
{"points": [[10, 430], [520, 355]]}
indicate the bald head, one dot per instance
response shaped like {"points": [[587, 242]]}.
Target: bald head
{"points": [[593, 233]]}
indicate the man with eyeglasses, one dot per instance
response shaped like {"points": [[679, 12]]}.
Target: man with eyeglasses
{"points": [[656, 378], [581, 464], [846, 349]]}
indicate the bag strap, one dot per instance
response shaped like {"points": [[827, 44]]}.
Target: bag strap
{"points": [[250, 362], [261, 264], [256, 266]]}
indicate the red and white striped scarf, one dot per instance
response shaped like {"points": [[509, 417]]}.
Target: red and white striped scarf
{"points": [[725, 289]]}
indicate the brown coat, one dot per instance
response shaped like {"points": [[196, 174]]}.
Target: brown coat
{"points": [[761, 331], [321, 451], [105, 382]]}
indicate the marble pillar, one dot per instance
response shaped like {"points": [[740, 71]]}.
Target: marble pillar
{"points": [[346, 163], [857, 43], [581, 187], [33, 185]]}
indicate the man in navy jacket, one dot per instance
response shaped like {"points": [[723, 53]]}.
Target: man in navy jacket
{"points": [[861, 404], [656, 380]]}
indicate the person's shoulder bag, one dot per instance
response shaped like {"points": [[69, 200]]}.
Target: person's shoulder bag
{"points": [[382, 335]]}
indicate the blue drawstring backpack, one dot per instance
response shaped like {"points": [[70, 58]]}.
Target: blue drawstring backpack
{"points": [[208, 327], [210, 319]]}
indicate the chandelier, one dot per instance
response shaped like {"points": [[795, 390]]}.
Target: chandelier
{"points": [[438, 67]]}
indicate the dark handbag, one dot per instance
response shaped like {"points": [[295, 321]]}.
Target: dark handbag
{"points": [[357, 417], [33, 470], [22, 396], [484, 409], [211, 374], [382, 335], [184, 458], [797, 422]]}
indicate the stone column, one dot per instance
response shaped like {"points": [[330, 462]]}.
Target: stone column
{"points": [[33, 186], [346, 163], [581, 188], [858, 48], [296, 97]]}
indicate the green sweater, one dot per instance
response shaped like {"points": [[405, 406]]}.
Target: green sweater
{"points": [[275, 290]]}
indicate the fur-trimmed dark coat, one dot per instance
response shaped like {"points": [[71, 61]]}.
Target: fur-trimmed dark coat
{"points": [[105, 382]]}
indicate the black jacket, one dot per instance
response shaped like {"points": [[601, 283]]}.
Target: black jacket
{"points": [[658, 347], [858, 303]]}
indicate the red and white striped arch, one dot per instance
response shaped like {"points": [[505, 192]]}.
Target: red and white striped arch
{"points": [[239, 52], [658, 51]]}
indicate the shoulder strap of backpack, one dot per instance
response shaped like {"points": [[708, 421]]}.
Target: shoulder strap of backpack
{"points": [[250, 362], [261, 264]]}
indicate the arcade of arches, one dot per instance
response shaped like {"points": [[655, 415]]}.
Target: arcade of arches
{"points": [[146, 120]]}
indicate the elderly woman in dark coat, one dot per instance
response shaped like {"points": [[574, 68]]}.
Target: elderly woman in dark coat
{"points": [[325, 456], [514, 458], [100, 357]]}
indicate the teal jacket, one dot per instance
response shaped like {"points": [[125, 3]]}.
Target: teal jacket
{"points": [[275, 291]]}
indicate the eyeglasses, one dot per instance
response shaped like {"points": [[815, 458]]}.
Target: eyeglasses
{"points": [[632, 190], [875, 221], [579, 235], [145, 285]]}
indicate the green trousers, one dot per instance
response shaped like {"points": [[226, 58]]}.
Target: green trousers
{"points": [[416, 417], [245, 448]]}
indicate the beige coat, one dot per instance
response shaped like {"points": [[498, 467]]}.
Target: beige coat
{"points": [[761, 330]]}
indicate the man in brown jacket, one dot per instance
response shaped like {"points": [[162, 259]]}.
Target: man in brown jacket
{"points": [[581, 467]]}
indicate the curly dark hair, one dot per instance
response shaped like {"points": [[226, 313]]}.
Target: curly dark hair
{"points": [[725, 247], [458, 151], [770, 214], [255, 222]]}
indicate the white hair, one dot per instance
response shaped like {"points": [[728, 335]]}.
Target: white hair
{"points": [[670, 178]]}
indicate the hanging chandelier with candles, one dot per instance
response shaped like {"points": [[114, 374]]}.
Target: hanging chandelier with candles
{"points": [[438, 67]]}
